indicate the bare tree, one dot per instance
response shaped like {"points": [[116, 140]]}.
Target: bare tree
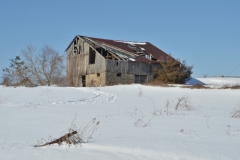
{"points": [[51, 63], [31, 61], [46, 66]]}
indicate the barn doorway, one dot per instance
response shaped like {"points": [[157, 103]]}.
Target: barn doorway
{"points": [[84, 81], [140, 78]]}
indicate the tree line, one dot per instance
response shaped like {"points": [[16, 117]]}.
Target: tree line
{"points": [[32, 67]]}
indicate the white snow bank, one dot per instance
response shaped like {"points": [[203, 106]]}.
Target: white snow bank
{"points": [[218, 81], [193, 81]]}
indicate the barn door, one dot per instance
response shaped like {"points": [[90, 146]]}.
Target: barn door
{"points": [[140, 78]]}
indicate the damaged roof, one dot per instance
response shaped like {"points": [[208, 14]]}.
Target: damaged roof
{"points": [[137, 51], [145, 47]]}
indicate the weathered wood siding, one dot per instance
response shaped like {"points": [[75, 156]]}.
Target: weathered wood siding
{"points": [[113, 78], [99, 66], [130, 67], [78, 65], [125, 72]]}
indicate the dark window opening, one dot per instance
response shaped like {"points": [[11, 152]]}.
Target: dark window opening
{"points": [[99, 50], [153, 59], [119, 74], [102, 51], [92, 55], [98, 74], [79, 50], [84, 81], [75, 50], [116, 63]]}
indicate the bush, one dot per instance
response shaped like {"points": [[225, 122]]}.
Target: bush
{"points": [[173, 72], [7, 81], [17, 73]]}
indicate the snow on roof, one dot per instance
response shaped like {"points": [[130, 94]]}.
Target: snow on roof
{"points": [[133, 43]]}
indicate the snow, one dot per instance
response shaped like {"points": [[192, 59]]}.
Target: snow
{"points": [[133, 43], [206, 132], [131, 59], [214, 82]]}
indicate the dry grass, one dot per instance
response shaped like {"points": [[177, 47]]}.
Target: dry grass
{"points": [[183, 103], [157, 83], [236, 112], [196, 86], [75, 135], [5, 140], [226, 86]]}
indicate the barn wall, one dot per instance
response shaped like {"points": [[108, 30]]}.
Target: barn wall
{"points": [[93, 80], [114, 78], [130, 67], [126, 72], [78, 64], [99, 66]]}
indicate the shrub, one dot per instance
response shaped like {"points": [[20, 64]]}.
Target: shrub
{"points": [[6, 81], [174, 72], [17, 73]]}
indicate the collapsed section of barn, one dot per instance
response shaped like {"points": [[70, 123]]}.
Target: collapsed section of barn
{"points": [[102, 62]]}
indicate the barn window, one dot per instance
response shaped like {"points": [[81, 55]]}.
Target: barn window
{"points": [[116, 63], [92, 55], [98, 74], [79, 50], [74, 50], [119, 74]]}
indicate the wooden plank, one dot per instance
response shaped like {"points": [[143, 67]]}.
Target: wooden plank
{"points": [[115, 56]]}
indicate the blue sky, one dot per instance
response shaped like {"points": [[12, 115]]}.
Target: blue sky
{"points": [[204, 33]]}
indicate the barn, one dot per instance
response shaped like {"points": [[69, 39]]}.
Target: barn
{"points": [[101, 62]]}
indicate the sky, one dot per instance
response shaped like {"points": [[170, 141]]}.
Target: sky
{"points": [[204, 33]]}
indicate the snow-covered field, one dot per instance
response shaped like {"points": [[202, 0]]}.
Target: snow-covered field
{"points": [[136, 122]]}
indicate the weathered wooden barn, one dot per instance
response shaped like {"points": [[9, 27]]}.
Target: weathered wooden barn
{"points": [[101, 62]]}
